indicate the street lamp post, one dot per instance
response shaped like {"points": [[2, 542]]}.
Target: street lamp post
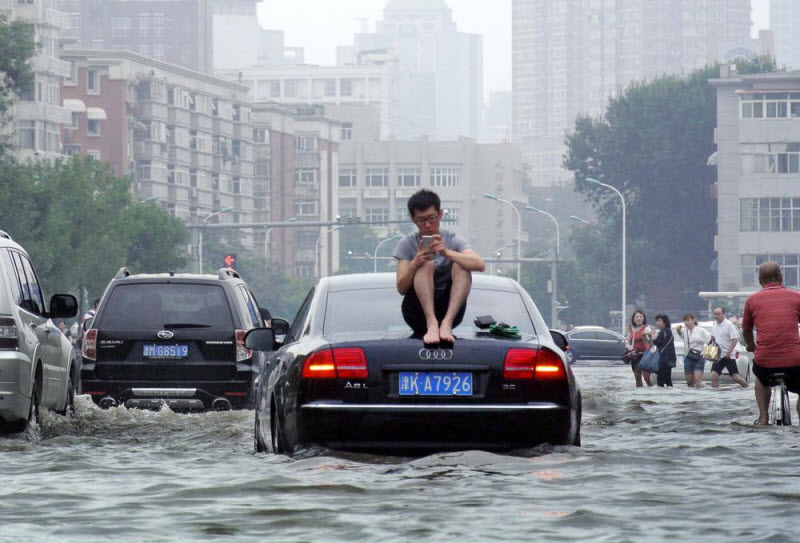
{"points": [[267, 242], [580, 220], [375, 255], [624, 276], [200, 234], [553, 268], [318, 248], [519, 229]]}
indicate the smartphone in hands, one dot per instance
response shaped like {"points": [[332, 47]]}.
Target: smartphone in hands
{"points": [[426, 242]]}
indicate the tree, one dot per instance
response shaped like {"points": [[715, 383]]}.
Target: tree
{"points": [[653, 144], [17, 48], [356, 247]]}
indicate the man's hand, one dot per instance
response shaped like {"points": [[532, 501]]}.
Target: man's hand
{"points": [[424, 255]]}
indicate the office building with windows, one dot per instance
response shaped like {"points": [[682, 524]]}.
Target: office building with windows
{"points": [[184, 137], [570, 56], [784, 22], [758, 176], [175, 31], [38, 115], [375, 180]]}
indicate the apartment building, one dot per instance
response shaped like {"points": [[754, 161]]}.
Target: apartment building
{"points": [[784, 21], [758, 176], [184, 137], [39, 114], [298, 149], [570, 56], [376, 178], [175, 31]]}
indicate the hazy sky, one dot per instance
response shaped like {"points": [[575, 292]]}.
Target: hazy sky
{"points": [[320, 25]]}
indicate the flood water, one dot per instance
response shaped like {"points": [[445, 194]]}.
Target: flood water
{"points": [[656, 464]]}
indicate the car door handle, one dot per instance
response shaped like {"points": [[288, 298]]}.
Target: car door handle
{"points": [[34, 325]]}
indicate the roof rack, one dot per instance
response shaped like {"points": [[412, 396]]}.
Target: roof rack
{"points": [[123, 272], [4, 234], [228, 273]]}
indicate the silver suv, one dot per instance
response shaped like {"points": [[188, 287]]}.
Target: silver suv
{"points": [[37, 363]]}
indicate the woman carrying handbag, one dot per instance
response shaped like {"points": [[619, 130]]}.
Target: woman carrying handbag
{"points": [[639, 335], [695, 338], [665, 343]]}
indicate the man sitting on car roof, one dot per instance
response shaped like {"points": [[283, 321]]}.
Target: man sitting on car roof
{"points": [[434, 272]]}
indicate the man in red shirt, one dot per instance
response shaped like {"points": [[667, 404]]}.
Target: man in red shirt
{"points": [[774, 312]]}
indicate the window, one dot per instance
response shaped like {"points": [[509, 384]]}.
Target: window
{"points": [[93, 154], [11, 277], [345, 87], [144, 24], [260, 135], [305, 208], [347, 177], [275, 89], [445, 177], [120, 26], [290, 88], [92, 82], [75, 19], [789, 263], [377, 177], [32, 292], [347, 131], [377, 214], [769, 214], [93, 127], [158, 26], [330, 87], [305, 176], [26, 134], [453, 214], [408, 177], [781, 163], [769, 105], [305, 143], [346, 212], [158, 50]]}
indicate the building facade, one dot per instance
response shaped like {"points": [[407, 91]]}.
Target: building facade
{"points": [[442, 69], [298, 148], [570, 56], [175, 31], [784, 21], [758, 176], [39, 114], [376, 179], [184, 137]]}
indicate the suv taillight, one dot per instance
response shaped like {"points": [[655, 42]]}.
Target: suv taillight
{"points": [[8, 334], [242, 352], [532, 363], [89, 348], [341, 363]]}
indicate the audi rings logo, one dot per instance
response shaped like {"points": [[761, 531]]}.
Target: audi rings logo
{"points": [[165, 334], [436, 354]]}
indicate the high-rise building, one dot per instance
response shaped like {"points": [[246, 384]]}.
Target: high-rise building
{"points": [[174, 31], [784, 21], [570, 56], [443, 68], [39, 115]]}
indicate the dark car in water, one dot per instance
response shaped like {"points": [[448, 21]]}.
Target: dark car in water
{"points": [[175, 339], [351, 376], [595, 343]]}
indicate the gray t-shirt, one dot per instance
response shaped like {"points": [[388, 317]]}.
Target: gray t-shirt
{"points": [[408, 246]]}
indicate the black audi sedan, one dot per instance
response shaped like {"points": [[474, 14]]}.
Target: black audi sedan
{"points": [[350, 375]]}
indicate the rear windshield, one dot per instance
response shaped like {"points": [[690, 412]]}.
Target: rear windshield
{"points": [[377, 312], [148, 306]]}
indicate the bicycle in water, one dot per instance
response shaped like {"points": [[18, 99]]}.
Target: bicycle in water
{"points": [[780, 410]]}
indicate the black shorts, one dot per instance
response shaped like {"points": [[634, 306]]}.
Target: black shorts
{"points": [[415, 316], [725, 363], [792, 376]]}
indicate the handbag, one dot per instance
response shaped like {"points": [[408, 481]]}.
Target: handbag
{"points": [[693, 355], [650, 360], [711, 351]]}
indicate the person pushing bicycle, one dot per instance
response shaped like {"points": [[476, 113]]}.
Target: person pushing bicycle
{"points": [[774, 312]]}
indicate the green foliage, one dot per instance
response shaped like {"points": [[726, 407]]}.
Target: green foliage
{"points": [[652, 144], [360, 241], [78, 221], [17, 48]]}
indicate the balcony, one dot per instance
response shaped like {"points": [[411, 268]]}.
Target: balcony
{"points": [[40, 111], [148, 150], [375, 192], [222, 127], [52, 65], [178, 116], [306, 159], [199, 121], [405, 192], [348, 192], [37, 13], [201, 161], [153, 110]]}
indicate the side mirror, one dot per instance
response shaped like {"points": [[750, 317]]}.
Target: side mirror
{"points": [[260, 339], [266, 316], [63, 306], [280, 326], [559, 339], [87, 323]]}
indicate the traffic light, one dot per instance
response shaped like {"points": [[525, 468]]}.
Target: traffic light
{"points": [[229, 261]]}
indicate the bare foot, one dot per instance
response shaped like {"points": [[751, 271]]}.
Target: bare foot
{"points": [[432, 335], [446, 333], [761, 422]]}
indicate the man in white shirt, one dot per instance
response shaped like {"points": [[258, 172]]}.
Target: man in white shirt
{"points": [[727, 337]]}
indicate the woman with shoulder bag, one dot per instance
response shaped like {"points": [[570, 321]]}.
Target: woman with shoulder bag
{"points": [[694, 338], [665, 343], [639, 335]]}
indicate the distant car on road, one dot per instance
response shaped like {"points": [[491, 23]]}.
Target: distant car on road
{"points": [[595, 343], [350, 376], [175, 339], [38, 368]]}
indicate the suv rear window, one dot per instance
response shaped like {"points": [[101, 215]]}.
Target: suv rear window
{"points": [[148, 306]]}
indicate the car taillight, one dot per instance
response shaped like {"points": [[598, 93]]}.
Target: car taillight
{"points": [[341, 363], [89, 348], [532, 363], [242, 352], [8, 334]]}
